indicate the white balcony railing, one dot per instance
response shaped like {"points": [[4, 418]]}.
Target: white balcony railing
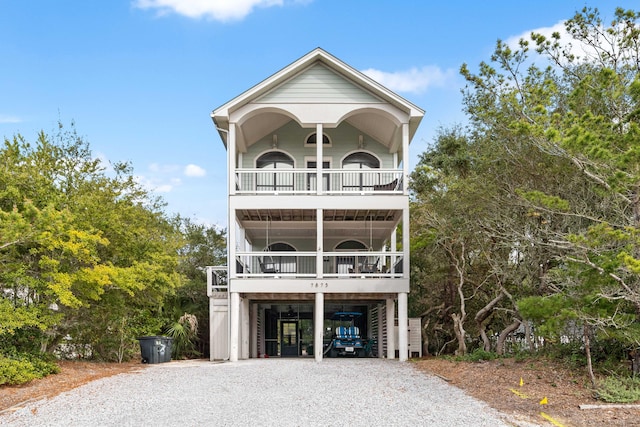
{"points": [[304, 181], [334, 264]]}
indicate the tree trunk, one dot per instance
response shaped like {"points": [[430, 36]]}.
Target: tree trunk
{"points": [[504, 334], [482, 318], [634, 356], [486, 343], [458, 329], [425, 337], [527, 336], [587, 350]]}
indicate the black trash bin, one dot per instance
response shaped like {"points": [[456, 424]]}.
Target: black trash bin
{"points": [[155, 349]]}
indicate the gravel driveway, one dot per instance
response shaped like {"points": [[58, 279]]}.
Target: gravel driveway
{"points": [[264, 392]]}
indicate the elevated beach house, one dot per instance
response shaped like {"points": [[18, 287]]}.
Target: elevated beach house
{"points": [[318, 231]]}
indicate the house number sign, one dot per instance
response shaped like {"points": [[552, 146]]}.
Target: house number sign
{"points": [[319, 285]]}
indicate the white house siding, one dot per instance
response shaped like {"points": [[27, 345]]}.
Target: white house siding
{"points": [[318, 84]]}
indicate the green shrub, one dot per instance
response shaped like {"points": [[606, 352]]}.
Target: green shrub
{"points": [[24, 368], [614, 389]]}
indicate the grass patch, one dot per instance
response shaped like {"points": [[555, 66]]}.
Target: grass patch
{"points": [[616, 389]]}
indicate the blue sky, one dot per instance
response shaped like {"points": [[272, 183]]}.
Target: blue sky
{"points": [[140, 77]]}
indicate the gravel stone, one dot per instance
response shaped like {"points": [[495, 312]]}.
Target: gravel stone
{"points": [[264, 392]]}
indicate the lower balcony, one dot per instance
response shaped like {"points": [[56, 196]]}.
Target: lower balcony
{"points": [[334, 265]]}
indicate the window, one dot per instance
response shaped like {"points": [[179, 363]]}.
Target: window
{"points": [[312, 139], [278, 180], [359, 181], [311, 177], [347, 264], [360, 160], [280, 264], [274, 160]]}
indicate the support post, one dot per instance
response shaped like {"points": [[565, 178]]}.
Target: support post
{"points": [[320, 246], [234, 327], [319, 148], [403, 327], [318, 327], [391, 326]]}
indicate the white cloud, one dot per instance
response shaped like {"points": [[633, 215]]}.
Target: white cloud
{"points": [[194, 171], [217, 10], [164, 188], [5, 118], [158, 185], [575, 47], [513, 41], [158, 168], [414, 80]]}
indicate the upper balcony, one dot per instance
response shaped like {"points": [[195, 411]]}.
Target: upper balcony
{"points": [[304, 181]]}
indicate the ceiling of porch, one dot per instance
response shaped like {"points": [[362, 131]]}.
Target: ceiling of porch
{"points": [[292, 223]]}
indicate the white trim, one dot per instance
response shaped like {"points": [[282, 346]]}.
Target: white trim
{"points": [[308, 159]]}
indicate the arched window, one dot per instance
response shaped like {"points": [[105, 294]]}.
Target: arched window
{"points": [[278, 180], [274, 160], [313, 138], [280, 247], [360, 160], [359, 181], [351, 245], [348, 264], [273, 263]]}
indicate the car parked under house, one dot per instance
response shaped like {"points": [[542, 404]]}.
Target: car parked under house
{"points": [[317, 191]]}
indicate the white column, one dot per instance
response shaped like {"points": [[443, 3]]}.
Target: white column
{"points": [[212, 334], [244, 334], [231, 158], [394, 247], [319, 147], [234, 327], [391, 326], [405, 241], [320, 245], [405, 159], [318, 327], [403, 327], [231, 244]]}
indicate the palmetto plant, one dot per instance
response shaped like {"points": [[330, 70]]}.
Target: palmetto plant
{"points": [[184, 333]]}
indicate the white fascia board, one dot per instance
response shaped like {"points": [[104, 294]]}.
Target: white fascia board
{"points": [[313, 285], [270, 201]]}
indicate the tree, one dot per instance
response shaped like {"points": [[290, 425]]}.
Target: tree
{"points": [[82, 250], [203, 246], [578, 118]]}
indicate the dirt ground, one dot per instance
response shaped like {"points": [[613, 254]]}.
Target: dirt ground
{"points": [[495, 382], [498, 382]]}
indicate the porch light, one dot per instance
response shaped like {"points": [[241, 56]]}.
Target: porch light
{"points": [[274, 141], [360, 142]]}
